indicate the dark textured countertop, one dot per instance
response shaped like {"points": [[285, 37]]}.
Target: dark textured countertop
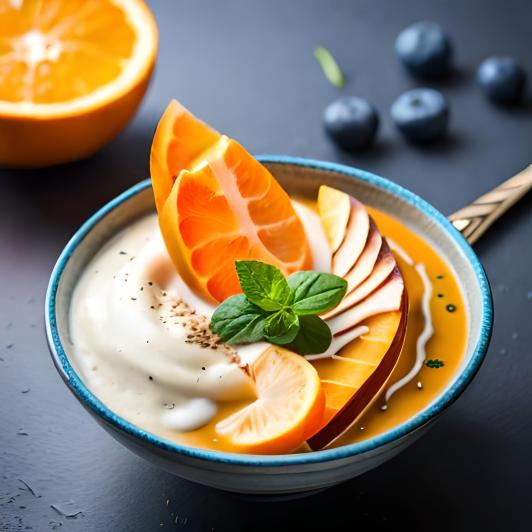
{"points": [[247, 68]]}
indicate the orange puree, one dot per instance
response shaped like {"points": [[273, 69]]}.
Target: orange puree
{"points": [[446, 345]]}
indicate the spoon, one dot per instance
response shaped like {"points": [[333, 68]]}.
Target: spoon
{"points": [[474, 219]]}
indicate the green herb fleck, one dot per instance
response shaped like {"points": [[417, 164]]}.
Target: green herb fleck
{"points": [[439, 276], [440, 295], [281, 311], [450, 308], [329, 66], [434, 363]]}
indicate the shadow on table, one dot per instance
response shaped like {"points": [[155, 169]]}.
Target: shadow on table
{"points": [[67, 194], [428, 487]]}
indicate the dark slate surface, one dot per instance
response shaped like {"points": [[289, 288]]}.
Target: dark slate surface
{"points": [[247, 68]]}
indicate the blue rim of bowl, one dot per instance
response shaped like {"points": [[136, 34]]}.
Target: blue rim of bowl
{"points": [[431, 411]]}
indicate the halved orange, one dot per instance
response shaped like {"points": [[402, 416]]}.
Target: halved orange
{"points": [[72, 72], [288, 409], [224, 206]]}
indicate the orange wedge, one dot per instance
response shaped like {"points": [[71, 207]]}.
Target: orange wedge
{"points": [[180, 140], [72, 73], [223, 206], [287, 411]]}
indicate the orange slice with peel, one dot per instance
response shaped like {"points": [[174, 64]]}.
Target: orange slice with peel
{"points": [[288, 409], [223, 206], [72, 73], [180, 141]]}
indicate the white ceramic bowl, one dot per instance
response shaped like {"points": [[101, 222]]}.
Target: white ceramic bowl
{"points": [[294, 473]]}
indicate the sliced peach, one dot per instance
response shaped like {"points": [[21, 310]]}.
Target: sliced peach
{"points": [[356, 367], [353, 382]]}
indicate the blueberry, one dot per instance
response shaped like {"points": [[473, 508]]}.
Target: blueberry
{"points": [[502, 79], [351, 122], [425, 50], [421, 115]]}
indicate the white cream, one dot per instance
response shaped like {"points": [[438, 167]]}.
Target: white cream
{"points": [[131, 348], [428, 328]]}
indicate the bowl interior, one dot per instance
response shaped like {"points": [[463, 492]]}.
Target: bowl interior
{"points": [[299, 177]]}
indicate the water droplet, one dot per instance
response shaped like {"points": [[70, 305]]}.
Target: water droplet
{"points": [[503, 351], [515, 336]]}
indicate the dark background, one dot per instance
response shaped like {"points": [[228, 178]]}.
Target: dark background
{"points": [[247, 68]]}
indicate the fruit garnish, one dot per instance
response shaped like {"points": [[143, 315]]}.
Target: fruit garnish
{"points": [[180, 141], [288, 410], [425, 50], [72, 74], [223, 206], [421, 115], [351, 122], [281, 311], [502, 79], [335, 209], [374, 310]]}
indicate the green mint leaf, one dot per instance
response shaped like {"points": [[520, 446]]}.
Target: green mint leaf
{"points": [[313, 337], [315, 292], [329, 66], [263, 284], [281, 327], [434, 363], [238, 321]]}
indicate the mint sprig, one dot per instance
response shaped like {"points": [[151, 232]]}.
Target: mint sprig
{"points": [[279, 310]]}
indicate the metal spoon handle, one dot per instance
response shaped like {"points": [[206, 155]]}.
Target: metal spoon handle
{"points": [[473, 220]]}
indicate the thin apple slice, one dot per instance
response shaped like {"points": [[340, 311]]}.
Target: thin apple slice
{"points": [[365, 263], [354, 240], [335, 208], [386, 298], [384, 266]]}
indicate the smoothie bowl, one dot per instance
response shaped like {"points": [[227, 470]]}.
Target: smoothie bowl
{"points": [[265, 327]]}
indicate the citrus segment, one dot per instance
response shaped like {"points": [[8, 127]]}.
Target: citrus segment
{"points": [[288, 409], [227, 208], [180, 140]]}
